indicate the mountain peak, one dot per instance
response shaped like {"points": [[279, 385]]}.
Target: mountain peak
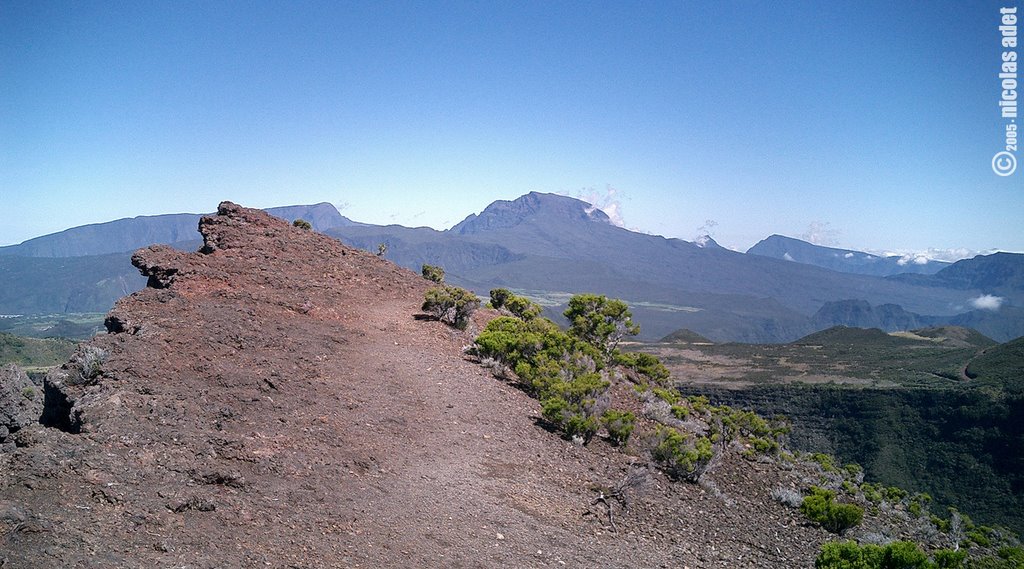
{"points": [[503, 214], [842, 260]]}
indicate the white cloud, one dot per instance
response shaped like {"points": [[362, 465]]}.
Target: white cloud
{"points": [[705, 232], [606, 202], [924, 256], [820, 233], [987, 302], [848, 256]]}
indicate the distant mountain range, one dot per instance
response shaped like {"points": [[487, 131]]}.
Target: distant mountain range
{"points": [[127, 235], [843, 260], [549, 246]]}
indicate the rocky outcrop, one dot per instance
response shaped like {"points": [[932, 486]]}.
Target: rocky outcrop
{"points": [[160, 263], [21, 402]]}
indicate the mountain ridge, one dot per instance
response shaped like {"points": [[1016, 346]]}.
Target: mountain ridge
{"points": [[556, 245], [128, 234], [276, 392], [843, 260]]}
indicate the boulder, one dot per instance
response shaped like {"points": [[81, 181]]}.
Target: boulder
{"points": [[21, 401]]}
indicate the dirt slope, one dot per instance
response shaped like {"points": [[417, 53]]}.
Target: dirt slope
{"points": [[276, 404]]}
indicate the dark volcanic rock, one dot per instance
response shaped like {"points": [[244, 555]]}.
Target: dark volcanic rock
{"points": [[21, 401]]}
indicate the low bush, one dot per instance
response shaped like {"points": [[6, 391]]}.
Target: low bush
{"points": [[451, 305], [571, 419], [670, 396], [918, 504], [826, 461], [949, 559], [619, 425], [649, 368], [896, 555], [788, 497], [560, 370], [848, 555], [873, 492], [522, 307], [302, 224], [432, 273], [820, 507], [499, 296], [682, 455]]}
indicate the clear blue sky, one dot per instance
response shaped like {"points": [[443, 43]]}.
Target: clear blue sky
{"points": [[878, 120]]}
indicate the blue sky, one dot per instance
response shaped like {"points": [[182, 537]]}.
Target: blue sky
{"points": [[878, 120]]}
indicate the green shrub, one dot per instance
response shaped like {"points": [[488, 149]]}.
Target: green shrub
{"points": [[572, 419], [1013, 556], [699, 403], [904, 555], [743, 423], [918, 504], [451, 305], [560, 370], [302, 224], [852, 470], [895, 494], [28, 392], [848, 555], [499, 296], [872, 492], [682, 455], [648, 367], [979, 536], [764, 446], [512, 341], [896, 555], [433, 273], [619, 425], [825, 460], [820, 507], [939, 523], [949, 559], [600, 321], [680, 412], [522, 307], [670, 396]]}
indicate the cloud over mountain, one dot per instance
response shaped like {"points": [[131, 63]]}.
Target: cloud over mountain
{"points": [[987, 302]]}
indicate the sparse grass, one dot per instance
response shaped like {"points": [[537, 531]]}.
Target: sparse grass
{"points": [[34, 352], [787, 497], [88, 361], [73, 326]]}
